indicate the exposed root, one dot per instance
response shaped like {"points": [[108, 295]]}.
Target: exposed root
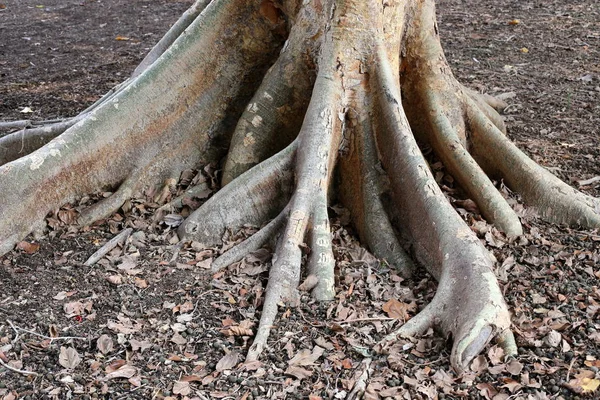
{"points": [[253, 243], [416, 326], [364, 198], [555, 200], [178, 110], [255, 197], [172, 34], [506, 340], [273, 117], [108, 206], [111, 244], [463, 167], [321, 262], [155, 124], [469, 303], [21, 143], [27, 123], [199, 191]]}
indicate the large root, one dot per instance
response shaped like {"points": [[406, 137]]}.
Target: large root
{"points": [[469, 303], [186, 102], [165, 121], [469, 136]]}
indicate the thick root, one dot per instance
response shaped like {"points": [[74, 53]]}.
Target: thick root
{"points": [[253, 243], [178, 111], [156, 124], [362, 185], [554, 200], [21, 143], [469, 303], [255, 197], [169, 38], [463, 167], [273, 117]]}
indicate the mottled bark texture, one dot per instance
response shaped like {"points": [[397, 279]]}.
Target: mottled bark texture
{"points": [[284, 92]]}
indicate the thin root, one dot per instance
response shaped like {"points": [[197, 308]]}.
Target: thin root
{"points": [[111, 244], [253, 243]]}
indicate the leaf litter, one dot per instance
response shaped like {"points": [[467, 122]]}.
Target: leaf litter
{"points": [[194, 347]]}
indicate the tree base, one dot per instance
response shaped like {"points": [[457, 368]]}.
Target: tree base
{"points": [[360, 109]]}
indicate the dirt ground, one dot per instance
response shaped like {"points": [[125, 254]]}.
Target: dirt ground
{"points": [[135, 326]]}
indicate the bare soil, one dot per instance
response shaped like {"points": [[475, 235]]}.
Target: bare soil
{"points": [[147, 328]]}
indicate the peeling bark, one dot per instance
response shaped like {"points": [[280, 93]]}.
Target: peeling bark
{"points": [[352, 83]]}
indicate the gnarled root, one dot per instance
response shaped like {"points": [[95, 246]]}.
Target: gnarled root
{"points": [[469, 136], [180, 111], [305, 213], [150, 130], [469, 303]]}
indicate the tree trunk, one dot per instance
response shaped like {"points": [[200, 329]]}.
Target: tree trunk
{"points": [[299, 95]]}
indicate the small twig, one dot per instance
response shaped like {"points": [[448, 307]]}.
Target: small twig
{"points": [[351, 321], [570, 368], [111, 244], [176, 250], [19, 371], [361, 383], [18, 329]]}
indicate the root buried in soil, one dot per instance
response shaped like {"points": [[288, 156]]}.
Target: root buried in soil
{"points": [[303, 104]]}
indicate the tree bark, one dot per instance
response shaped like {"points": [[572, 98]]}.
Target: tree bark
{"points": [[304, 99]]}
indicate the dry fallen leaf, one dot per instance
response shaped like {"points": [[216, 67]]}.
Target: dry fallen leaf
{"points": [[68, 357], [306, 357], [27, 247], [584, 382], [298, 372], [74, 308], [182, 388], [398, 310], [126, 371], [105, 344], [227, 362]]}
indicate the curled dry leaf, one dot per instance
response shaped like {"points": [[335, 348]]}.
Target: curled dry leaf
{"points": [[229, 361], [125, 371], [27, 247], [115, 279], [178, 339], [298, 372], [182, 388], [68, 357], [74, 308], [398, 310], [584, 382], [105, 344], [306, 357]]}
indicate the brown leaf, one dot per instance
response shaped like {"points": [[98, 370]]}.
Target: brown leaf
{"points": [[514, 367], [227, 362], [74, 308], [27, 247], [178, 339], [126, 371], [105, 344], [115, 279], [182, 388], [306, 357], [68, 357], [298, 372], [398, 310], [584, 382], [141, 283]]}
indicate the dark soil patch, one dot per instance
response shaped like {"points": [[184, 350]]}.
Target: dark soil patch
{"points": [[171, 322]]}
